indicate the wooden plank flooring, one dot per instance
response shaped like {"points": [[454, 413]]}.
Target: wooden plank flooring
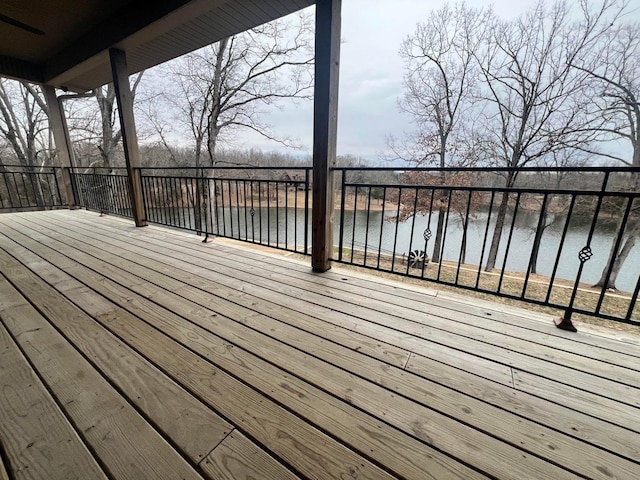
{"points": [[142, 353]]}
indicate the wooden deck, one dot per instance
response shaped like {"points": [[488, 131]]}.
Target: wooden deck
{"points": [[144, 354]]}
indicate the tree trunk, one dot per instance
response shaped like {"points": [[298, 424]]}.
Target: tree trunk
{"points": [[31, 184], [437, 244], [463, 243], [12, 191], [497, 232], [618, 260], [537, 240]]}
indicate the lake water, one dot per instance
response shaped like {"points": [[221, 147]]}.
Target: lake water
{"points": [[280, 224], [520, 248]]}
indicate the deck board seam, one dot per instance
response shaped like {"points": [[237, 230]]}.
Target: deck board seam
{"points": [[259, 445], [407, 362], [206, 454]]}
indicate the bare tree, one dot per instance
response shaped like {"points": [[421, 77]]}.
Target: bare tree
{"points": [[440, 77], [24, 122], [24, 125], [533, 98], [553, 207], [615, 90], [98, 128], [231, 84]]}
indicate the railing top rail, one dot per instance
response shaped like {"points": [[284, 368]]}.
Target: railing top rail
{"points": [[29, 166], [100, 174], [226, 168], [487, 169], [467, 188], [231, 178], [625, 169], [74, 169]]}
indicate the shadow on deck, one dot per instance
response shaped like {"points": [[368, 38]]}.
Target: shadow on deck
{"points": [[142, 353]]}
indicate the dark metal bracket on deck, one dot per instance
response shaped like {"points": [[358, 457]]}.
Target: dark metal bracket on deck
{"points": [[584, 255], [565, 323]]}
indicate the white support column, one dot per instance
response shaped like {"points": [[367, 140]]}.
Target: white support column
{"points": [[124, 99], [325, 128], [58, 126]]}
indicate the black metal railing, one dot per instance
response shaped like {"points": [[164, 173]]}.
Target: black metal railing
{"points": [[29, 188], [266, 206], [542, 236], [103, 190]]}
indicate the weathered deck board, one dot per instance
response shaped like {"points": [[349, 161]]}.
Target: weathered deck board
{"points": [[237, 458], [446, 399], [405, 454], [127, 445], [624, 382], [37, 438], [246, 336], [520, 318], [192, 427], [552, 344], [332, 374], [170, 359], [443, 404]]}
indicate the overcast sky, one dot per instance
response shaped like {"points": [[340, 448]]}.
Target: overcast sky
{"points": [[370, 77]]}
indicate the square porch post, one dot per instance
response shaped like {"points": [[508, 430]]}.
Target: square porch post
{"points": [[64, 151], [124, 98], [325, 127]]}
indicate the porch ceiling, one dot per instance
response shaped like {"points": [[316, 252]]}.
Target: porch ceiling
{"points": [[65, 43]]}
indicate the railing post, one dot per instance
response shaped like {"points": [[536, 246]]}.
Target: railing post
{"points": [[343, 194], [307, 186], [124, 99], [201, 200], [584, 255], [325, 123], [197, 202]]}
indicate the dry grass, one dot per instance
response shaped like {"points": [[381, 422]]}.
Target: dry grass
{"points": [[445, 276], [511, 283], [292, 196]]}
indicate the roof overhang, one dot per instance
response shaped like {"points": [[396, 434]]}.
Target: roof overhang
{"points": [[66, 43]]}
